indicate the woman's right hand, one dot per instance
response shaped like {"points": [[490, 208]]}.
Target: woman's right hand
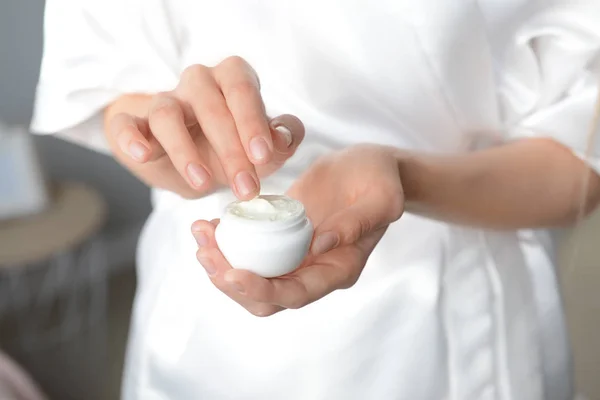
{"points": [[210, 131]]}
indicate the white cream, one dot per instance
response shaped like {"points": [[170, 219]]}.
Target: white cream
{"points": [[266, 208], [269, 235]]}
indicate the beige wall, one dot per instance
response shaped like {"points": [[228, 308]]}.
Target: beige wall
{"points": [[580, 276]]}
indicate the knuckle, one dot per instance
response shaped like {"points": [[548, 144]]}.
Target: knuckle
{"points": [[357, 228], [120, 119], [364, 225], [215, 109], [389, 202], [235, 62], [164, 108], [121, 124], [127, 131], [243, 88], [179, 153], [393, 202], [194, 72], [348, 279]]}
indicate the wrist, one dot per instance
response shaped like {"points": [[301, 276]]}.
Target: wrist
{"points": [[521, 185], [414, 174], [435, 186]]}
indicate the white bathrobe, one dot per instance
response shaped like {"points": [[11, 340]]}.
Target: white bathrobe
{"points": [[440, 311]]}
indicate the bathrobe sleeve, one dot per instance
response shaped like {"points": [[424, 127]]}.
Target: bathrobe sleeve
{"points": [[95, 51], [550, 78]]}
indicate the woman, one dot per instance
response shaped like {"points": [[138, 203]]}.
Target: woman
{"points": [[468, 119]]}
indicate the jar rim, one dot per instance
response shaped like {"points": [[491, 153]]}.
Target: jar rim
{"points": [[265, 224]]}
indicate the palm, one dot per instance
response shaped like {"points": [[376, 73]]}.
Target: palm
{"points": [[351, 196], [344, 179], [340, 181]]}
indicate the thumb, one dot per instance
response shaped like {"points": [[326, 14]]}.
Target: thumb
{"points": [[287, 132], [346, 227]]}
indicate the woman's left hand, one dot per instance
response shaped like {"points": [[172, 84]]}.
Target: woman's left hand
{"points": [[351, 197]]}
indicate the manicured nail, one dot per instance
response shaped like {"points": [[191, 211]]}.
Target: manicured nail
{"points": [[259, 149], [197, 174], [245, 184], [201, 238], [137, 150], [208, 266], [325, 242], [235, 284], [285, 133]]}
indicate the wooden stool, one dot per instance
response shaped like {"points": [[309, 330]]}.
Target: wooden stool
{"points": [[75, 214]]}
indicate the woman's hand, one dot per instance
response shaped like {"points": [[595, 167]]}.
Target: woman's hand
{"points": [[351, 197], [210, 131]]}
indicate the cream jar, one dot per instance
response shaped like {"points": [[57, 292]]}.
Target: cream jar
{"points": [[269, 235]]}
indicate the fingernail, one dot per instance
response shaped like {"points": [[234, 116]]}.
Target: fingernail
{"points": [[325, 242], [245, 184], [236, 285], [197, 174], [285, 133], [137, 150], [208, 266], [259, 149], [201, 238]]}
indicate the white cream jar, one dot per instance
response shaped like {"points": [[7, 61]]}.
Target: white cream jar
{"points": [[269, 235]]}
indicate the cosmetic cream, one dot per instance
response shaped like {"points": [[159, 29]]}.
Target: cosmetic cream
{"points": [[269, 235]]}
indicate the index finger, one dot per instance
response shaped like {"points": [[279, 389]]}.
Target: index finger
{"points": [[205, 97], [241, 89]]}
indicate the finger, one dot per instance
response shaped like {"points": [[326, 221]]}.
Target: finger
{"points": [[240, 87], [201, 91], [167, 123], [204, 233], [216, 266], [261, 309], [288, 133], [130, 135], [350, 224], [305, 285]]}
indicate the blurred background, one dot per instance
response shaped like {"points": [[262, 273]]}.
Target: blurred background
{"points": [[75, 348], [78, 286]]}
